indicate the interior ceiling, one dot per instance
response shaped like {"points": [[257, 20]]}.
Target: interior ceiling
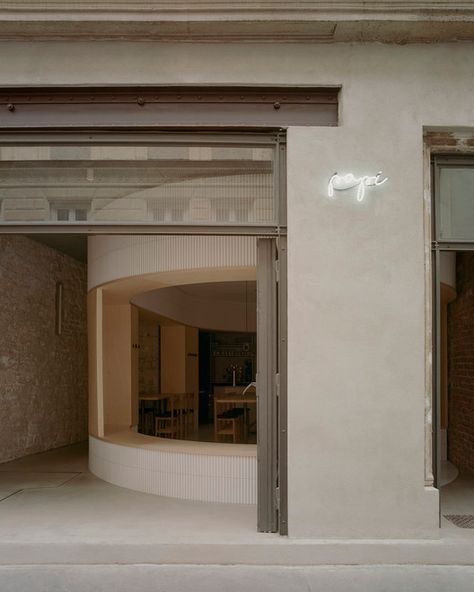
{"points": [[224, 291], [129, 289], [73, 245], [157, 318]]}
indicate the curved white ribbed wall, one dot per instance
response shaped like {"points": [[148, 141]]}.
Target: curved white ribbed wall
{"points": [[115, 257], [126, 266], [199, 475]]}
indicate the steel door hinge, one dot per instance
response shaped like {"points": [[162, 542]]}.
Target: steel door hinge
{"points": [[277, 270]]}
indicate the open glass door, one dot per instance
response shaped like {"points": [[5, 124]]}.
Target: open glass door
{"points": [[271, 380]]}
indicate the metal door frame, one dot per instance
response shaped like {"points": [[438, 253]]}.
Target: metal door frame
{"points": [[271, 385], [437, 247]]}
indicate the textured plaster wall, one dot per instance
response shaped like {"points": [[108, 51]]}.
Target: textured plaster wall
{"points": [[461, 367], [43, 376]]}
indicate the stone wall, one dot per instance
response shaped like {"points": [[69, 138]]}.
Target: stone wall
{"points": [[461, 366], [43, 376], [149, 356]]}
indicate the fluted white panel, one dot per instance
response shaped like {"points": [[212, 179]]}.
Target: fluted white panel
{"points": [[184, 475], [115, 257]]}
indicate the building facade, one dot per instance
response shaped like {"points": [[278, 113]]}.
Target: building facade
{"points": [[360, 396]]}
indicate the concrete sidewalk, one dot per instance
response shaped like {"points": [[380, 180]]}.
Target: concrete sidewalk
{"points": [[54, 512], [192, 578]]}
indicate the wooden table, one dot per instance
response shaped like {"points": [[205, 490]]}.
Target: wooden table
{"points": [[143, 399], [162, 397], [237, 400], [154, 398]]}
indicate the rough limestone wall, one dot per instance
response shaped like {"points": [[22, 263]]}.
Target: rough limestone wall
{"points": [[149, 356], [461, 366], [43, 376]]}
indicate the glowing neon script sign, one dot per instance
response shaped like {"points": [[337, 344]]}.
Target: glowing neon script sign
{"points": [[342, 182]]}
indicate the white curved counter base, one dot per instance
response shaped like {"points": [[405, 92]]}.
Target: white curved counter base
{"points": [[200, 471]]}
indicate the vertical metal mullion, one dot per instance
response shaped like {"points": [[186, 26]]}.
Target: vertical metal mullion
{"points": [[282, 303], [436, 406], [283, 391], [280, 178], [267, 471], [434, 200], [99, 339]]}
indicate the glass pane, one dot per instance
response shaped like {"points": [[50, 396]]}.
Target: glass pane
{"points": [[456, 203], [154, 184]]}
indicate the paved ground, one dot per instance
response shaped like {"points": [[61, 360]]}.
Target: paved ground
{"points": [[53, 512], [52, 497], [457, 498], [146, 578]]}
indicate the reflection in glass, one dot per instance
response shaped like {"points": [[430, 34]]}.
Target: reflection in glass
{"points": [[455, 220], [152, 184]]}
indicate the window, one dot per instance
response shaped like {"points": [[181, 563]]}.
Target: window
{"points": [[455, 201], [152, 183]]}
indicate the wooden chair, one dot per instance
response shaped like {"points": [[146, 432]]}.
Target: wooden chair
{"points": [[168, 418], [229, 422]]}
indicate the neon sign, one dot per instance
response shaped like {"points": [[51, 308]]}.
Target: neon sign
{"points": [[342, 182]]}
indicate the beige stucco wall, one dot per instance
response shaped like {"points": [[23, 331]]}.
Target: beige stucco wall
{"points": [[356, 340], [43, 376], [120, 363], [356, 271]]}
